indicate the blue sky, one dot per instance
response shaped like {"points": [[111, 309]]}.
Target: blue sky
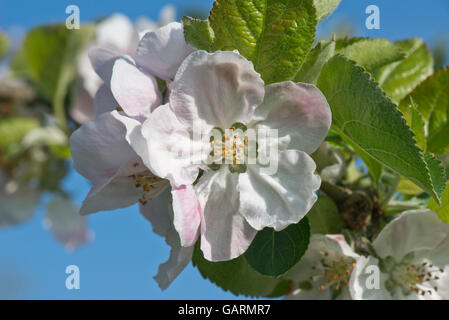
{"points": [[125, 254]]}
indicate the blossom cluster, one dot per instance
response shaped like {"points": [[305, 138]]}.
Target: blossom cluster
{"points": [[141, 146]]}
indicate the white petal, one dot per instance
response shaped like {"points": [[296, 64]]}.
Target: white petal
{"points": [[359, 278], [170, 147], [158, 212], [161, 52], [137, 93], [117, 31], [102, 60], [217, 88], [104, 101], [91, 80], [82, 110], [178, 260], [167, 14], [281, 199], [66, 224], [299, 112], [117, 193], [99, 148], [225, 233], [418, 231], [336, 249]]}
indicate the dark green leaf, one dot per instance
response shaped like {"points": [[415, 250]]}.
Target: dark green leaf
{"points": [[274, 253], [238, 277]]}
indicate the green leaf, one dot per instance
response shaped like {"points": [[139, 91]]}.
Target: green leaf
{"points": [[238, 277], [324, 8], [437, 173], [366, 119], [324, 217], [274, 252], [371, 53], [275, 35], [432, 102], [314, 62], [50, 54], [198, 33], [443, 210], [418, 127], [399, 78], [4, 45]]}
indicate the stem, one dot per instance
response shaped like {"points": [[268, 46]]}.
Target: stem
{"points": [[338, 194]]}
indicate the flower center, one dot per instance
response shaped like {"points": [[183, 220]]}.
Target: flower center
{"points": [[418, 278], [150, 185], [333, 272], [229, 148]]}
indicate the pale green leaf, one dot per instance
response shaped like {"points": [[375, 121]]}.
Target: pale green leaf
{"points": [[366, 119], [372, 53], [314, 62], [443, 210], [275, 35], [432, 102], [324, 8], [399, 78], [198, 33]]}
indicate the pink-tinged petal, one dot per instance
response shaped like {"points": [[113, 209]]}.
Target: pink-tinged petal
{"points": [[161, 52], [102, 60], [218, 88], [136, 92], [158, 212], [170, 147], [104, 101], [179, 258], [187, 214], [82, 110], [99, 148], [282, 198], [225, 234], [299, 112], [65, 223]]}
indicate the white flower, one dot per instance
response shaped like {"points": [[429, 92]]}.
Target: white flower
{"points": [[324, 270], [101, 148], [220, 90], [117, 36], [414, 260]]}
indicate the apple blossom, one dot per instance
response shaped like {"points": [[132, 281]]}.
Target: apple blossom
{"points": [[412, 253], [101, 152], [118, 36], [324, 270], [222, 90]]}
